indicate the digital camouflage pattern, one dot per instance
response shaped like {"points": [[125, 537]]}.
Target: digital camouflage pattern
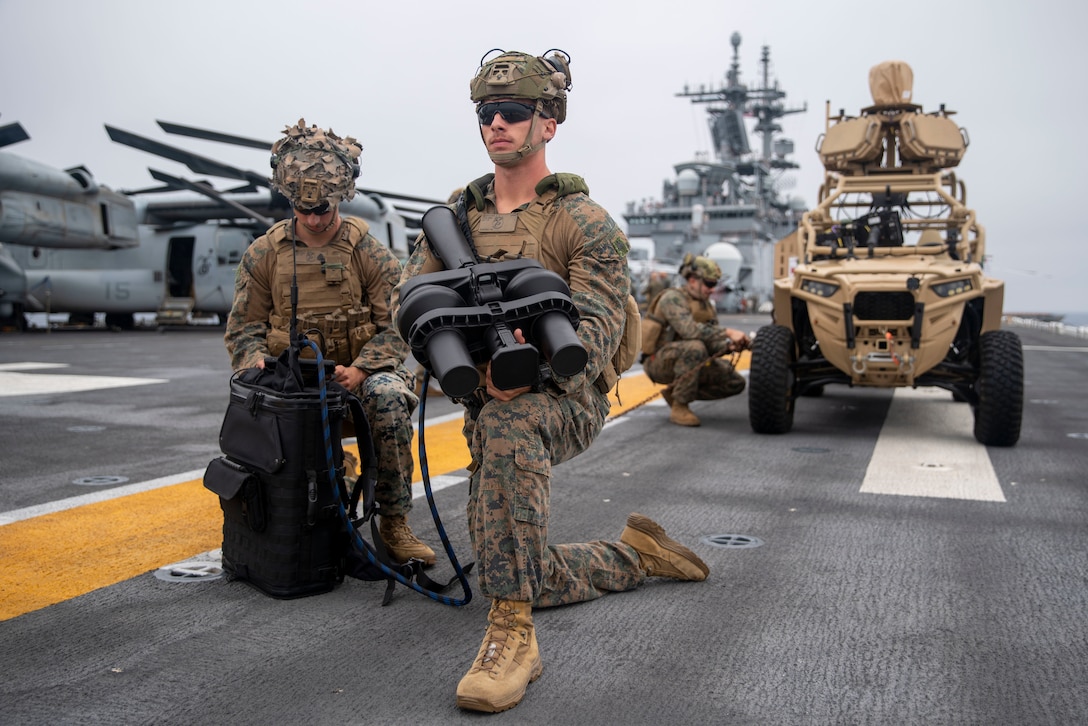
{"points": [[389, 401], [312, 165], [688, 357], [513, 445], [387, 393]]}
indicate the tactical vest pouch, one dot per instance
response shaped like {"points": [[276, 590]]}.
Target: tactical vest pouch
{"points": [[360, 336], [651, 333], [652, 327], [626, 353], [340, 336], [631, 341], [277, 339]]}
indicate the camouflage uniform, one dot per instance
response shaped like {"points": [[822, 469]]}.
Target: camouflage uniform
{"points": [[515, 444], [387, 393], [688, 360], [657, 283]]}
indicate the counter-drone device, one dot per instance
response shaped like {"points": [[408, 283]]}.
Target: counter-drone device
{"points": [[466, 315]]}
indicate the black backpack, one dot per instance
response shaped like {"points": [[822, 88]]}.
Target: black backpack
{"points": [[290, 526]]}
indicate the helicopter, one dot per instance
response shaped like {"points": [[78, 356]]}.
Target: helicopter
{"points": [[46, 209], [70, 245]]}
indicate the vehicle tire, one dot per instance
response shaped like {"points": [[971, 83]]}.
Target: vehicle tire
{"points": [[1000, 389], [771, 380]]}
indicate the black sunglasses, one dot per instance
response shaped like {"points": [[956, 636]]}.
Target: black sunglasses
{"points": [[318, 210], [512, 111]]}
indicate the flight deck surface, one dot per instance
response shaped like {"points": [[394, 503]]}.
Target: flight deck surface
{"points": [[874, 565]]}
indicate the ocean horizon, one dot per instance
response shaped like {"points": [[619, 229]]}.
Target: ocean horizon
{"points": [[1075, 319]]}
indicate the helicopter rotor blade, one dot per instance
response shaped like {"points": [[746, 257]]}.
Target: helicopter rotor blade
{"points": [[192, 131], [151, 190], [244, 189], [404, 197], [195, 162], [207, 190], [197, 133], [203, 165], [12, 134]]}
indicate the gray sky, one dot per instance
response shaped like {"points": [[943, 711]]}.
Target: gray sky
{"points": [[395, 75]]}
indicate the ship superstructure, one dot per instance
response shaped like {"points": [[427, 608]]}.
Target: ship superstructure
{"points": [[731, 202]]}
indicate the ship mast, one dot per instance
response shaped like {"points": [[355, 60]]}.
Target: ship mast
{"points": [[727, 128], [728, 207]]}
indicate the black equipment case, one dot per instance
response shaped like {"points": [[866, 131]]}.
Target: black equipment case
{"points": [[282, 527]]}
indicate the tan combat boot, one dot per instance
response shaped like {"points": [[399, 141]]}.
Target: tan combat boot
{"points": [[681, 415], [508, 661], [666, 393], [660, 555], [351, 471], [401, 543]]}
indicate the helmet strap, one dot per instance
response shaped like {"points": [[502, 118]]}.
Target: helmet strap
{"points": [[508, 158]]}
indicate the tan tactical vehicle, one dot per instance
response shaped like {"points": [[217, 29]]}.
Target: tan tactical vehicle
{"points": [[882, 284]]}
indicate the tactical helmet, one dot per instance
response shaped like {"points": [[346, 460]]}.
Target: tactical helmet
{"points": [[520, 75], [704, 268], [311, 166]]}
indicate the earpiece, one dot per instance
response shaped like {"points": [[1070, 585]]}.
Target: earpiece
{"points": [[560, 61]]}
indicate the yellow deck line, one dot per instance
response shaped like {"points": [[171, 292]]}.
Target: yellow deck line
{"points": [[62, 555]]}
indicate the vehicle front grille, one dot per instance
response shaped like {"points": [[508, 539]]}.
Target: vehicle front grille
{"points": [[884, 306]]}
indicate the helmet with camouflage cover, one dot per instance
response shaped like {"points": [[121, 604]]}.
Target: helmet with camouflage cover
{"points": [[704, 268], [520, 75], [543, 80], [312, 166]]}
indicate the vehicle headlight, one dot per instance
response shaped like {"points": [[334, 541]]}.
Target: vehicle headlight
{"points": [[818, 288], [955, 287]]}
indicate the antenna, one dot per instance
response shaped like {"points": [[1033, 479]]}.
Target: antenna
{"points": [[294, 336]]}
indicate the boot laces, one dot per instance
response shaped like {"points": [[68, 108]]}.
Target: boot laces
{"points": [[397, 532], [496, 639], [492, 653]]}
